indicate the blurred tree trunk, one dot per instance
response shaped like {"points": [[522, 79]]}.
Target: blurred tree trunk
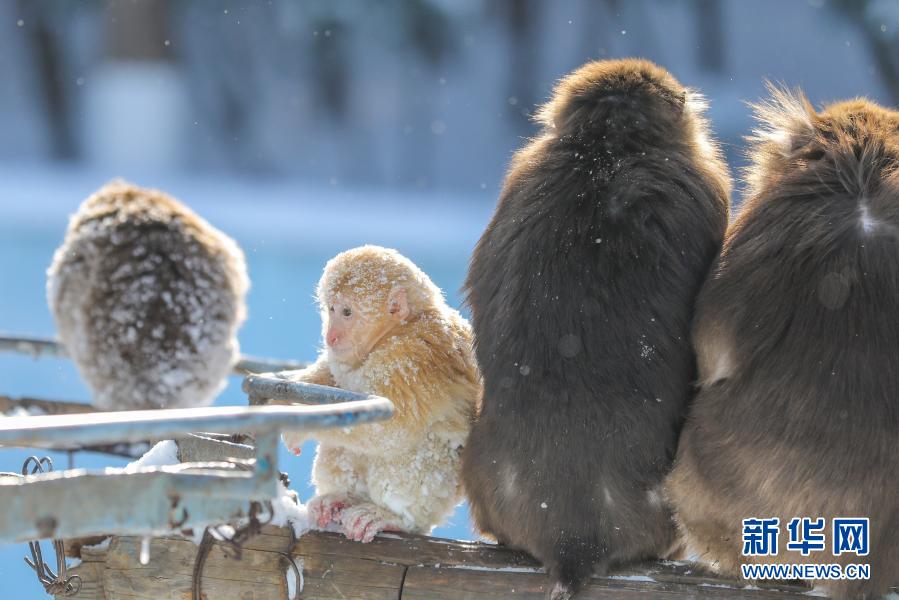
{"points": [[331, 67], [711, 36], [520, 19], [45, 44], [137, 30], [883, 44]]}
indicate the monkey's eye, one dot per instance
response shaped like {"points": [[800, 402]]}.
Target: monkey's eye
{"points": [[331, 309], [347, 312]]}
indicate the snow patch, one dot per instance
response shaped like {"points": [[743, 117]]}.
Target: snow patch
{"points": [[101, 547], [292, 591], [289, 512], [144, 557], [632, 578], [495, 569], [21, 411], [163, 453]]}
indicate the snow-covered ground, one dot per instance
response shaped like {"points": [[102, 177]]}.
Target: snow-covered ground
{"points": [[288, 230]]}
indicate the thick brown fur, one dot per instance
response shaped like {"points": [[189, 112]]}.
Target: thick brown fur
{"points": [[147, 298], [581, 291], [403, 471], [797, 333]]}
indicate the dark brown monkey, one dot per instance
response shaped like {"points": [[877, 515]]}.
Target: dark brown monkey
{"points": [[797, 336], [581, 291]]}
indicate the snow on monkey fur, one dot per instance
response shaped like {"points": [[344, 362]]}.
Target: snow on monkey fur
{"points": [[147, 299], [388, 331]]}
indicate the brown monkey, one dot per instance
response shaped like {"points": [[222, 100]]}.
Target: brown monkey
{"points": [[147, 299], [581, 291], [797, 337], [388, 331]]}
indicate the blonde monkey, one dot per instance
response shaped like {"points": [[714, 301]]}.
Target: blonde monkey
{"points": [[388, 331]]}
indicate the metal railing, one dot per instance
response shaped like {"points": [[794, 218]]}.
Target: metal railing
{"points": [[162, 499], [37, 347], [40, 346]]}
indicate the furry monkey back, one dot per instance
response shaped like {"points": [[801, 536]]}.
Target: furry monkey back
{"points": [[797, 337], [581, 291], [147, 298]]}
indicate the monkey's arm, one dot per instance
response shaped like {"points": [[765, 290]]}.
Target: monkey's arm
{"points": [[396, 434], [318, 373], [428, 378]]}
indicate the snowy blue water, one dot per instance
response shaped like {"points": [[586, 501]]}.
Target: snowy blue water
{"points": [[287, 230]]}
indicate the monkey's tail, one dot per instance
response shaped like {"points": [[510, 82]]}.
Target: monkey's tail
{"points": [[574, 563], [560, 591]]}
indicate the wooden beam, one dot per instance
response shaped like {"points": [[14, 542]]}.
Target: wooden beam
{"points": [[391, 567]]}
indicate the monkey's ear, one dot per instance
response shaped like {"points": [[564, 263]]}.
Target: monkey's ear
{"points": [[786, 120], [398, 304]]}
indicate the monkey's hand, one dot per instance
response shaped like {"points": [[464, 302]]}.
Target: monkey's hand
{"points": [[294, 440], [327, 508], [318, 373], [362, 521]]}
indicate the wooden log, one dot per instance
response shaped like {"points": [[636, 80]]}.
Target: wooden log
{"points": [[116, 572], [168, 574], [439, 569], [391, 567]]}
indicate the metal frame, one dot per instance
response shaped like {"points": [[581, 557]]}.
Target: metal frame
{"points": [[41, 346], [160, 500]]}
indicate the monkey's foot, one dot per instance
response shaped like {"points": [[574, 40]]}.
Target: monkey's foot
{"points": [[362, 522], [326, 508]]}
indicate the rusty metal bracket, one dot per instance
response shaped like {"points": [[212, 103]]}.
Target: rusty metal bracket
{"points": [[55, 584]]}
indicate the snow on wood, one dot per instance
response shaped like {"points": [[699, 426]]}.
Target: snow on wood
{"points": [[163, 453]]}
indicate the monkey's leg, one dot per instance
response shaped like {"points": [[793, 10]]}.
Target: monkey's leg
{"points": [[335, 474], [420, 486], [362, 522], [707, 523]]}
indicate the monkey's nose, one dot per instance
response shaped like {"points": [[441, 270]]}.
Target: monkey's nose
{"points": [[332, 339]]}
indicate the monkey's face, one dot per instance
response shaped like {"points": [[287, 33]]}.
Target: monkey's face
{"points": [[345, 328], [352, 328]]}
